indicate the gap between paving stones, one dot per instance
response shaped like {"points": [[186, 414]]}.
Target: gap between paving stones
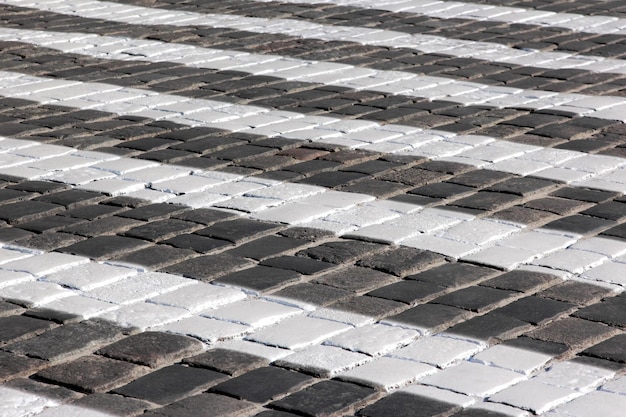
{"points": [[486, 51]]}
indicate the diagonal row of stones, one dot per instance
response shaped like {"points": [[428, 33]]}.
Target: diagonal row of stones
{"points": [[522, 36], [535, 127], [376, 57]]}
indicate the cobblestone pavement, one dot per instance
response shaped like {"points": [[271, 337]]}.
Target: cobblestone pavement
{"points": [[335, 208]]}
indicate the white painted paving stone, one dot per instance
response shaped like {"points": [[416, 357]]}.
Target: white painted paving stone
{"points": [[323, 360], [597, 403], [374, 339], [534, 396], [255, 313], [8, 278], [271, 353], [604, 245], [144, 316], [478, 232], [89, 276], [208, 330], [610, 272], [574, 261], [617, 386], [199, 296], [9, 254], [438, 394], [43, 264], [473, 379], [441, 245], [515, 359], [287, 333], [574, 376], [80, 306], [439, 351], [502, 257], [388, 373], [16, 402], [34, 293]]}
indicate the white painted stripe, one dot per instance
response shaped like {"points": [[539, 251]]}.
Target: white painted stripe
{"points": [[480, 151], [394, 82], [493, 52], [486, 12]]}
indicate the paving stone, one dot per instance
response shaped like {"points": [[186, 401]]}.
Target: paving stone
{"points": [[576, 292], [170, 384], [155, 257], [238, 231], [229, 362], [534, 396], [15, 213], [68, 340], [53, 395], [112, 404], [535, 310], [369, 306], [611, 211], [522, 186], [104, 247], [340, 252], [609, 311], [490, 327], [314, 294], [260, 278], [15, 366], [92, 373], [407, 291], [15, 328], [268, 246], [196, 406], [486, 200], [573, 332], [355, 279], [153, 349], [401, 261], [161, 229], [208, 267], [522, 281], [263, 384], [584, 194], [196, 243], [477, 299], [580, 224], [403, 404], [295, 263], [429, 318], [325, 398], [610, 349], [594, 403]]}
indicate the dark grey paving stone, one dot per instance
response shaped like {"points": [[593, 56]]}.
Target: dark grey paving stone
{"points": [[161, 229], [611, 210], [611, 349], [260, 278], [576, 292], [56, 316], [408, 291], [616, 232], [356, 279], [91, 373], [267, 246], [299, 264], [374, 187], [170, 384], [454, 274], [41, 187], [10, 234], [204, 216], [198, 405], [113, 404], [15, 366], [156, 257], [93, 212], [611, 311], [522, 186], [477, 413], [402, 404], [153, 349], [477, 299], [580, 224], [197, 243], [342, 251], [238, 230], [103, 226], [560, 206], [332, 179], [311, 293], [13, 196], [535, 310], [49, 241], [490, 327], [486, 200], [369, 306], [431, 317], [67, 340], [208, 267], [105, 247], [402, 261], [443, 190], [15, 328], [72, 198], [522, 281], [325, 398], [415, 177], [229, 362], [274, 413], [263, 384], [584, 194], [479, 178], [524, 215], [152, 212], [574, 332], [24, 211]]}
